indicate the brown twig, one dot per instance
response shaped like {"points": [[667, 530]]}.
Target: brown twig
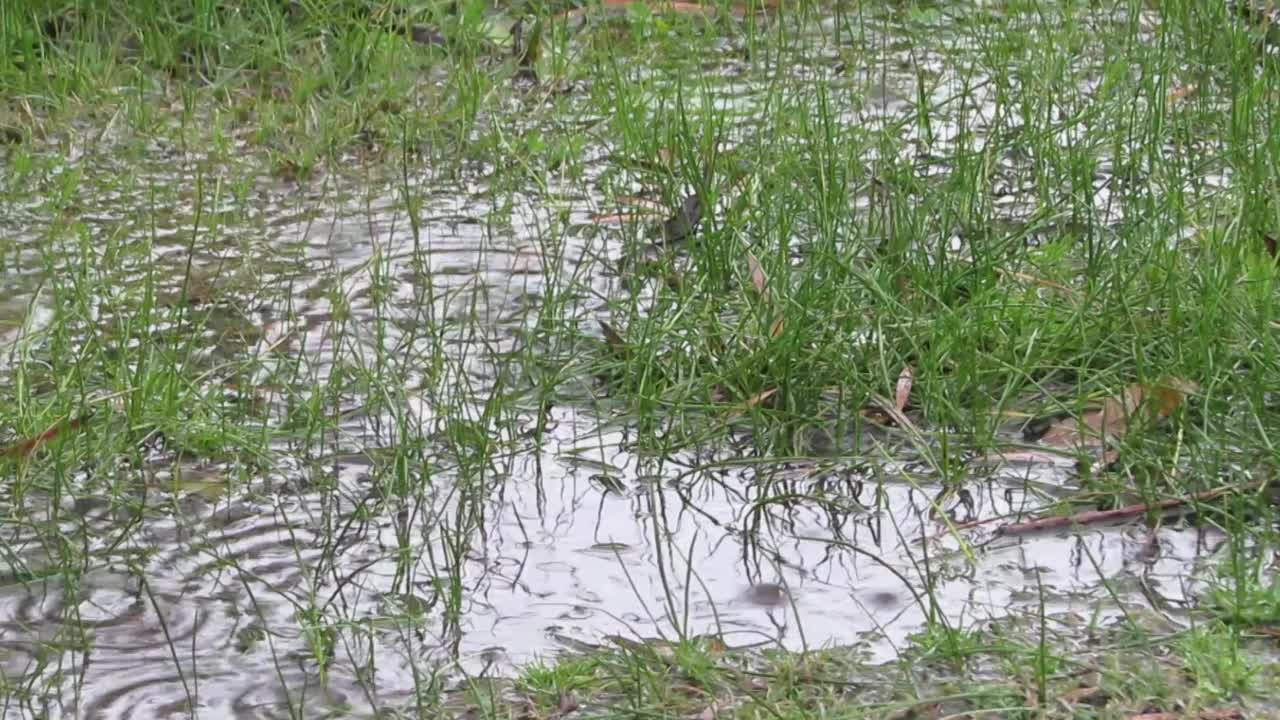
{"points": [[1120, 513]]}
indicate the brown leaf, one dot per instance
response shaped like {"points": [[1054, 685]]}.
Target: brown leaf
{"points": [[753, 401], [1182, 92], [668, 6], [1089, 695], [613, 218], [1269, 242], [1268, 630], [882, 412], [1110, 420], [902, 393], [759, 397], [27, 448], [611, 336], [646, 205], [875, 415], [778, 326], [759, 280]]}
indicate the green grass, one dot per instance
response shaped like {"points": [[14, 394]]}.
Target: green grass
{"points": [[1032, 206]]}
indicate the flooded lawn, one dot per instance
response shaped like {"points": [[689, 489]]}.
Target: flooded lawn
{"points": [[765, 331]]}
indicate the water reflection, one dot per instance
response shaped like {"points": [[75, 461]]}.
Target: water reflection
{"points": [[354, 570]]}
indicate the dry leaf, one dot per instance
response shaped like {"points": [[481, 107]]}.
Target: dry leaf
{"points": [[1182, 92], [611, 336], [778, 326], [1089, 695], [27, 448], [649, 206], [1269, 242], [710, 712], [753, 401], [614, 218], [759, 397], [1110, 421], [883, 412], [1267, 630], [621, 5], [759, 280], [902, 393]]}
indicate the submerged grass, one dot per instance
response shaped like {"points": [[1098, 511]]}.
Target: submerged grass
{"points": [[1033, 207]]}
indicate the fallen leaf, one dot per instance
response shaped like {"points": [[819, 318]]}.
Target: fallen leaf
{"points": [[710, 712], [685, 222], [27, 448], [613, 218], [1269, 242], [1182, 92], [1089, 695], [753, 401], [883, 412], [615, 6], [1110, 421], [759, 397], [647, 204], [778, 326], [902, 393], [611, 336], [759, 280], [1268, 630]]}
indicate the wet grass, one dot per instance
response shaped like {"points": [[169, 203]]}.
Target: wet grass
{"points": [[1032, 207]]}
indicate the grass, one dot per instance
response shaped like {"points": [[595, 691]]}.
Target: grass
{"points": [[343, 266]]}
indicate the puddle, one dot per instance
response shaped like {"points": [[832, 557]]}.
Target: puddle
{"points": [[336, 579]]}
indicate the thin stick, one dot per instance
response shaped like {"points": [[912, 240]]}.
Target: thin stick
{"points": [[1120, 513]]}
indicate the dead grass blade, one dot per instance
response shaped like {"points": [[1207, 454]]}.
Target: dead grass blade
{"points": [[902, 392], [759, 279]]}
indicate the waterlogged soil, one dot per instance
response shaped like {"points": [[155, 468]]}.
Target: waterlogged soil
{"points": [[324, 576]]}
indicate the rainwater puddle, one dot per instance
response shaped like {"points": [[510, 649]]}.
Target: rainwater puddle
{"points": [[350, 571]]}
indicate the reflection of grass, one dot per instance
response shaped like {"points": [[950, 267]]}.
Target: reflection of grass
{"points": [[1040, 220]]}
